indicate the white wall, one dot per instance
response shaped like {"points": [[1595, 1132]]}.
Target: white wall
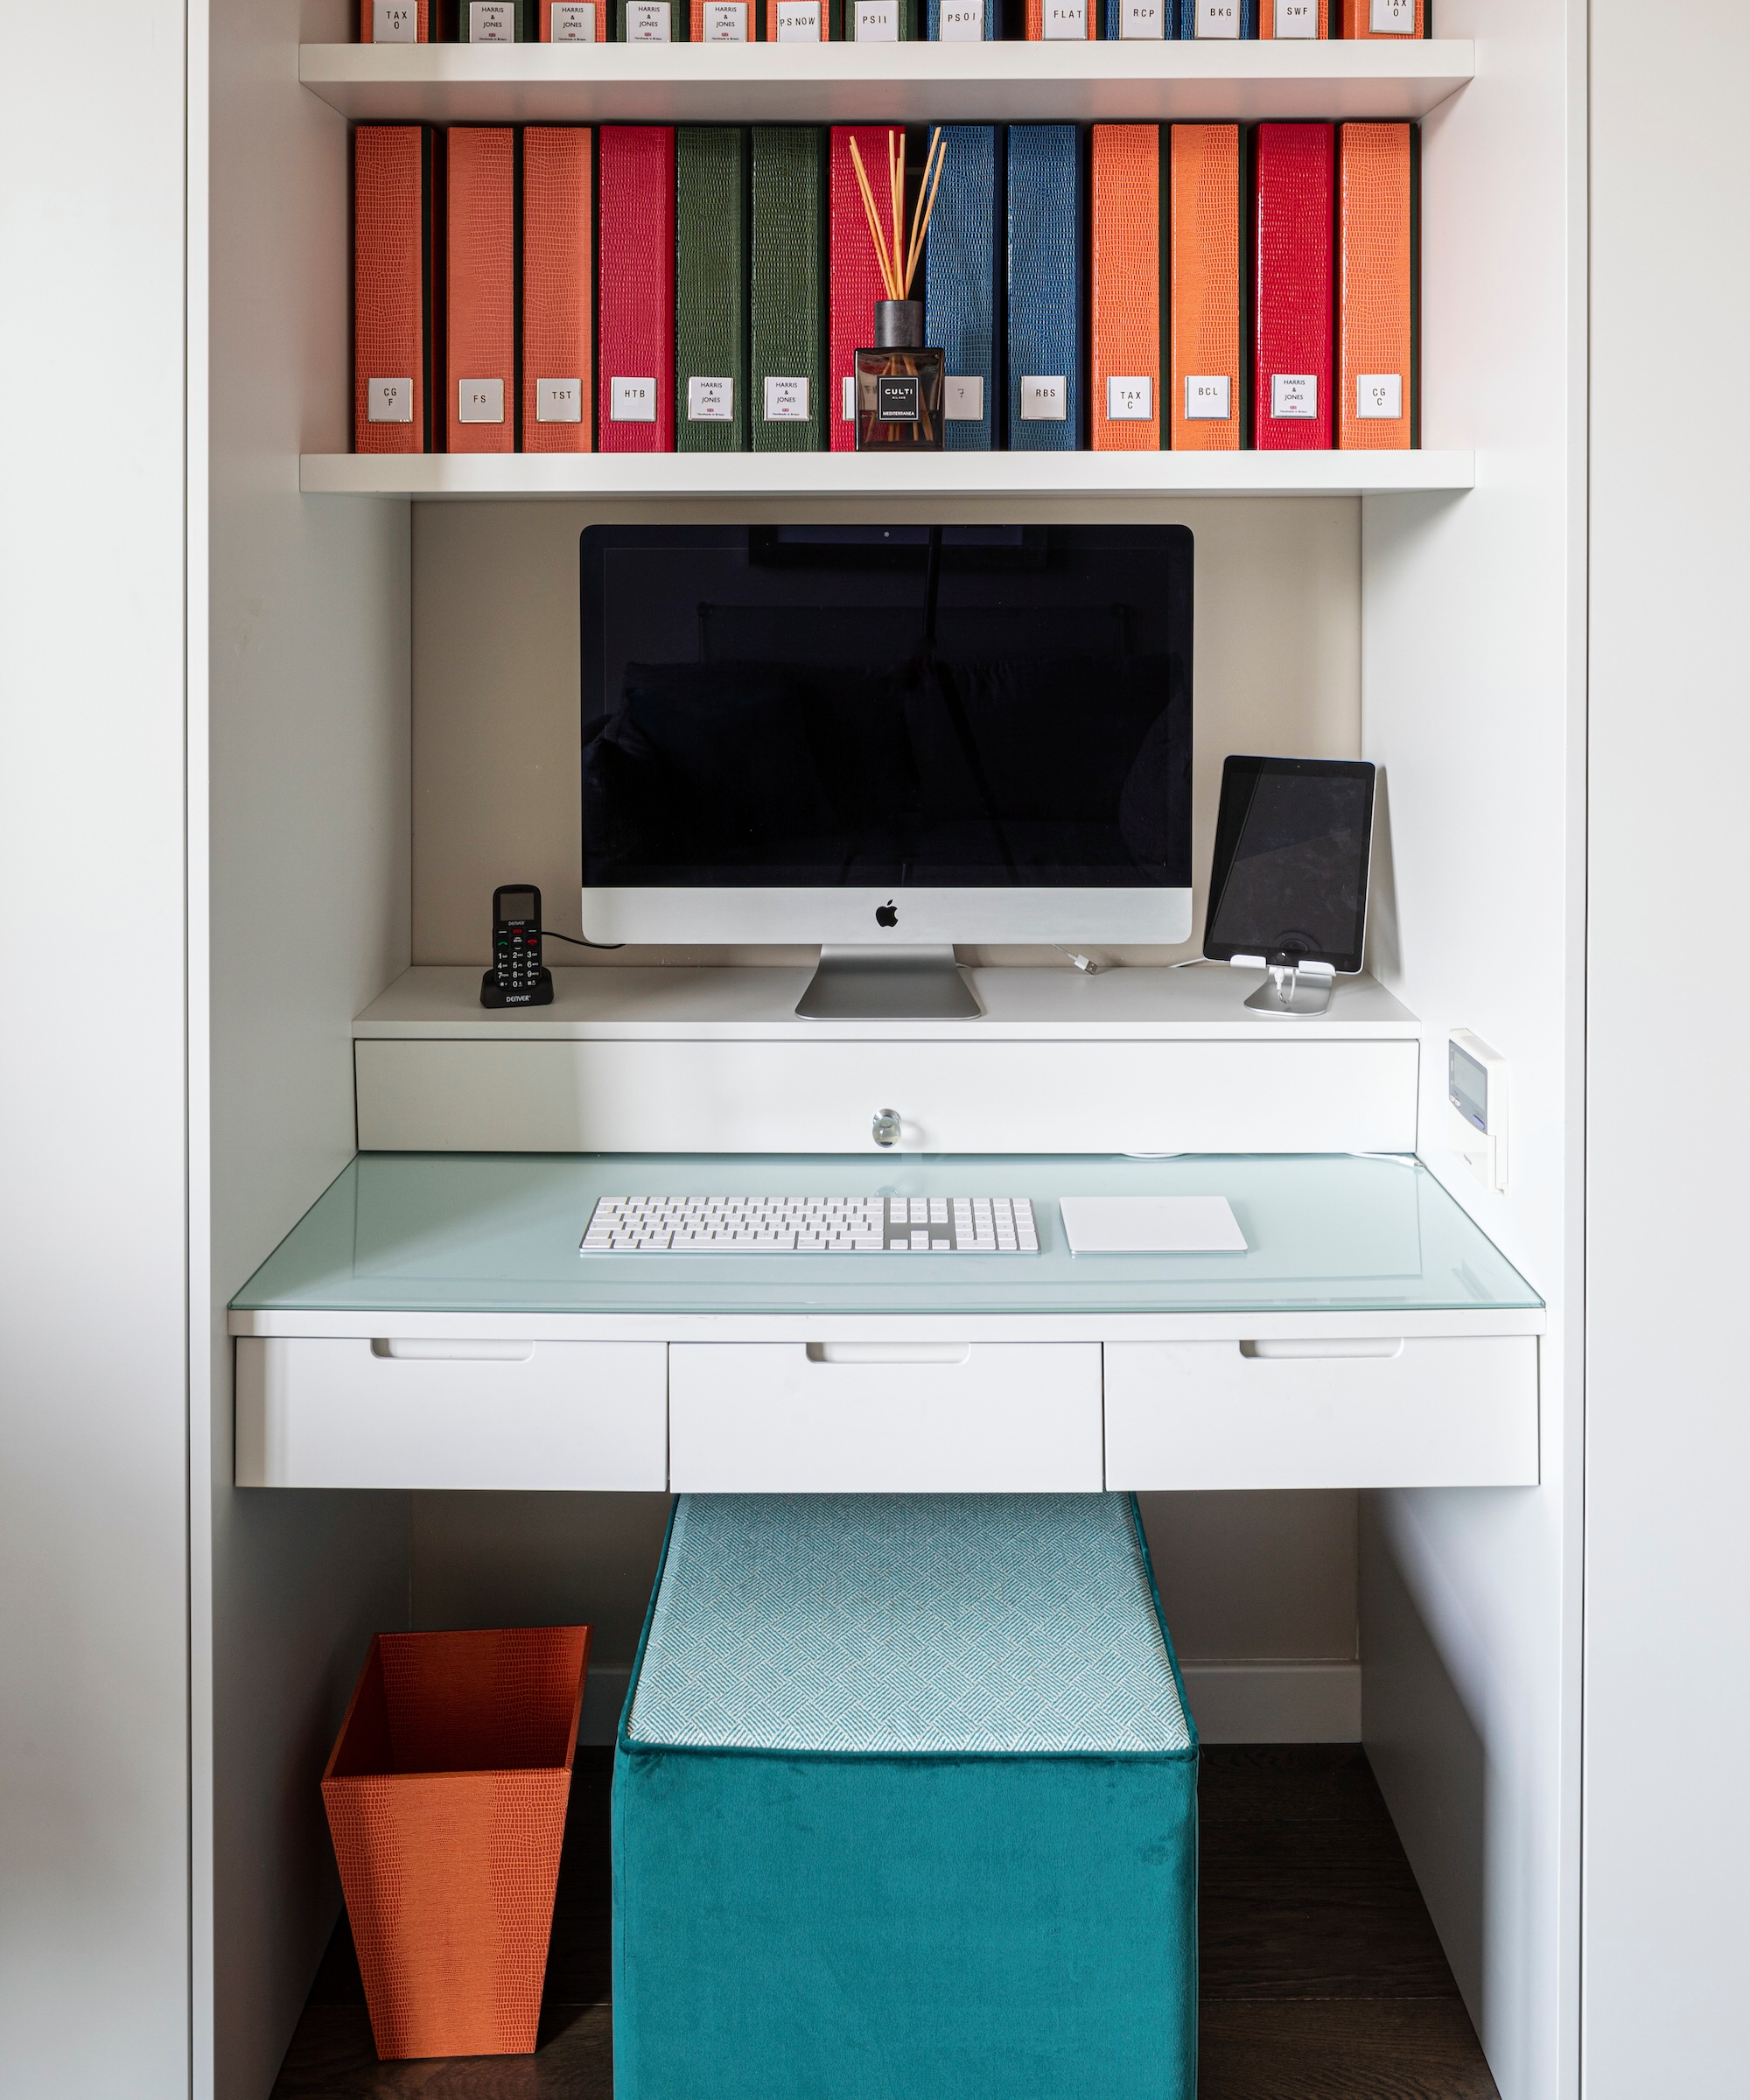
{"points": [[1667, 1411], [93, 1670]]}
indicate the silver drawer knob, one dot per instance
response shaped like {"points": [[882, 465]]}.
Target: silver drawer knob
{"points": [[883, 1126]]}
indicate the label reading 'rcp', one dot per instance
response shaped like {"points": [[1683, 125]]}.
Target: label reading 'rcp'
{"points": [[1129, 400], [1218, 17], [1065, 19], [1392, 18], [725, 21], [646, 21], [574, 21], [875, 21], [1379, 395], [962, 399], [710, 401], [395, 22], [492, 22], [1207, 396], [632, 400], [1296, 19], [388, 401], [958, 22], [1045, 400], [786, 400], [1294, 395], [799, 21], [558, 400], [1142, 19], [480, 401]]}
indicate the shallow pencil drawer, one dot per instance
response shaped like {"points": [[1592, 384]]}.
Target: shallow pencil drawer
{"points": [[323, 1413]]}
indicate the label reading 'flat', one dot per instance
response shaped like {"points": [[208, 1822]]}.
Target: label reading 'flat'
{"points": [[574, 21], [1294, 395], [395, 22], [1218, 17], [1379, 395], [1045, 400], [1208, 395], [958, 23], [1296, 19], [799, 21], [786, 400], [480, 401], [1392, 18], [1142, 19], [875, 21], [646, 21], [388, 401], [632, 400], [1129, 400], [1065, 19], [558, 400], [710, 401], [725, 21], [492, 22], [962, 399]]}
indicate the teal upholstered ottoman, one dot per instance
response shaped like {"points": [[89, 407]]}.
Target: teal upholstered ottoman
{"points": [[904, 1808]]}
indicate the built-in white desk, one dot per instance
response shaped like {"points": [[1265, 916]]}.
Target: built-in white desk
{"points": [[431, 1323]]}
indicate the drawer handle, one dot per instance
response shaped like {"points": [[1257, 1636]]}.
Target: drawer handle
{"points": [[1337, 1349], [889, 1351], [454, 1352]]}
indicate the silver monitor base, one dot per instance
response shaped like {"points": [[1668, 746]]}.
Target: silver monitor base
{"points": [[1286, 990], [863, 983]]}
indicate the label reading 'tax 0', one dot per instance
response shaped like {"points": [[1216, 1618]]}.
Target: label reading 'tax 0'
{"points": [[395, 22], [1392, 18]]}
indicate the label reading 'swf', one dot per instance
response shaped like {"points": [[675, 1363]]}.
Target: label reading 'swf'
{"points": [[1296, 19], [899, 400]]}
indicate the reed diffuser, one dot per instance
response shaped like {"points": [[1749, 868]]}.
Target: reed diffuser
{"points": [[900, 381]]}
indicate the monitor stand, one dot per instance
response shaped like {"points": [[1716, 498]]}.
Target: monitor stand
{"points": [[867, 983], [1291, 989]]}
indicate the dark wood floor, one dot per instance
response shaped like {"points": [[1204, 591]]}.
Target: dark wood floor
{"points": [[1321, 1975]]}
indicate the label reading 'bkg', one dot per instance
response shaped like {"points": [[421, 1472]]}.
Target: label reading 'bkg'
{"points": [[632, 400], [1129, 400], [1218, 17], [558, 400], [725, 21], [899, 400], [574, 21], [1065, 19], [1379, 395], [646, 21], [1142, 19], [1045, 400], [388, 401], [1294, 395], [962, 399], [799, 21], [395, 22], [710, 401], [958, 22], [786, 400], [492, 22], [876, 21], [1296, 19], [1206, 395], [1392, 18], [480, 401]]}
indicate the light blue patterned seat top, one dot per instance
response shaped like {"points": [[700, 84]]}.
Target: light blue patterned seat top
{"points": [[885, 1622]]}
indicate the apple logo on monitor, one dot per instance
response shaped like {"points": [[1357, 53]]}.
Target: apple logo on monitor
{"points": [[885, 915]]}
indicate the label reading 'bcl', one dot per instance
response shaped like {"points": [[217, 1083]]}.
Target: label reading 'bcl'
{"points": [[1208, 395]]}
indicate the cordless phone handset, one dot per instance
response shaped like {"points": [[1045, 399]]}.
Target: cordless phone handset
{"points": [[517, 977]]}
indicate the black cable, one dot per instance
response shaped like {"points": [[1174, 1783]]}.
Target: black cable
{"points": [[606, 946]]}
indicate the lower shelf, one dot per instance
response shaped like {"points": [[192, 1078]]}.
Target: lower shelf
{"points": [[1320, 1971], [640, 476]]}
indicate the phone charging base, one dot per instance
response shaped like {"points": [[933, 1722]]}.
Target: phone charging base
{"points": [[539, 994]]}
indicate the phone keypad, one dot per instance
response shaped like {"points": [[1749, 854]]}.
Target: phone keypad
{"points": [[517, 960]]}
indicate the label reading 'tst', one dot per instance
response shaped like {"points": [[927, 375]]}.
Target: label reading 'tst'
{"points": [[960, 22], [395, 22], [1392, 18], [1065, 19], [632, 400], [388, 401], [962, 399], [646, 21], [1294, 395], [1142, 19], [480, 401], [1296, 19], [786, 400], [1045, 400], [799, 21], [1218, 17], [1129, 400], [876, 21], [558, 400], [710, 401], [1379, 395], [574, 21], [492, 22], [1207, 397], [725, 21]]}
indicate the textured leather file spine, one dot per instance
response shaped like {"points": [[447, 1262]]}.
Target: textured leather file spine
{"points": [[711, 289], [1293, 211], [479, 404], [1375, 373], [992, 11], [961, 278], [788, 289], [1205, 383], [854, 275], [635, 325], [1045, 387], [1358, 19], [398, 289], [1267, 16], [559, 229], [367, 17], [1123, 402]]}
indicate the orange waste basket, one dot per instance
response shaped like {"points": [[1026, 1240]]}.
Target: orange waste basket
{"points": [[446, 1795]]}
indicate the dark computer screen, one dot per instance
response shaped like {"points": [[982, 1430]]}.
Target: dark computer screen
{"points": [[1290, 870], [952, 706]]}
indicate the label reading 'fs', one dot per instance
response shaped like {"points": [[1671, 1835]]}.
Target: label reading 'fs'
{"points": [[395, 22], [574, 21], [960, 22], [480, 401], [1218, 17]]}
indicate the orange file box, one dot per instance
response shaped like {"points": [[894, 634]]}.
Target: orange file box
{"points": [[1376, 372], [1124, 292], [1205, 376], [558, 323], [480, 291]]}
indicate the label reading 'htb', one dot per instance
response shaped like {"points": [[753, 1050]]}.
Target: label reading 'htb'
{"points": [[957, 22], [646, 21], [1392, 18], [1207, 397], [492, 22], [388, 401], [632, 400], [1045, 400], [962, 399], [1129, 400], [710, 401], [1065, 19], [574, 21], [480, 401], [395, 22], [1379, 395], [899, 399], [1218, 17], [725, 21], [1294, 395], [1296, 19], [1142, 19], [799, 21], [786, 400], [558, 400], [875, 21]]}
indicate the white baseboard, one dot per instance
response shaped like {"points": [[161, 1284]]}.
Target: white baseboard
{"points": [[1233, 1702], [1275, 1702]]}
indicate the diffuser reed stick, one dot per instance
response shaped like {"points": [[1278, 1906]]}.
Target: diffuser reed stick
{"points": [[899, 264]]}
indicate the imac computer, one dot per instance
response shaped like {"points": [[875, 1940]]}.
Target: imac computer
{"points": [[886, 739]]}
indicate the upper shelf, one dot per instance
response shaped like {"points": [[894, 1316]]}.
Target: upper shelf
{"points": [[894, 83], [642, 476]]}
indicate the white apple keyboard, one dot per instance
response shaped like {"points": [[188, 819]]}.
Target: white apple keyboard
{"points": [[811, 1225]]}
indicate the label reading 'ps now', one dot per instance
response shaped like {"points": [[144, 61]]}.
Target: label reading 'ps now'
{"points": [[574, 21], [799, 21]]}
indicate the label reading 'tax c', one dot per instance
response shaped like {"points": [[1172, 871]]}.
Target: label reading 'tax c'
{"points": [[1129, 400]]}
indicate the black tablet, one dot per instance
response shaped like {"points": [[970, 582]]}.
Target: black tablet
{"points": [[1289, 879]]}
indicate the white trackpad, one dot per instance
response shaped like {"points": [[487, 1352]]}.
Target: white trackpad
{"points": [[1151, 1225]]}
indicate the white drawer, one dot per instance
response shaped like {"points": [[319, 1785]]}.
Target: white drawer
{"points": [[983, 1095], [1443, 1413], [450, 1414], [800, 1418]]}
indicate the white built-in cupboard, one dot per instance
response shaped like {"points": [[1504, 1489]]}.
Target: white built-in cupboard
{"points": [[208, 682]]}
